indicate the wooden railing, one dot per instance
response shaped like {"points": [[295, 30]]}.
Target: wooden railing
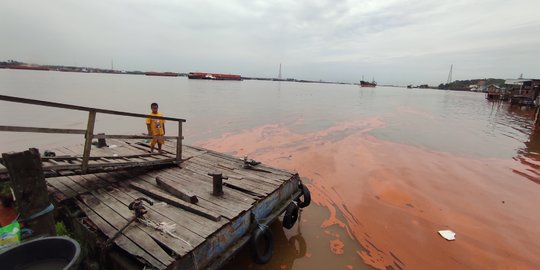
{"points": [[89, 131]]}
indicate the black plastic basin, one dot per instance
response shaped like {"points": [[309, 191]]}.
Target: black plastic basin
{"points": [[49, 253]]}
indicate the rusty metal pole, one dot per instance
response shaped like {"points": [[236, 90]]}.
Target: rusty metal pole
{"points": [[217, 179]]}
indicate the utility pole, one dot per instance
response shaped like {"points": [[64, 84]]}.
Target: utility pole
{"points": [[279, 74], [450, 75]]}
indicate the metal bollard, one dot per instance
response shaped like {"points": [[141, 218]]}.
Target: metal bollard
{"points": [[101, 141], [218, 183]]}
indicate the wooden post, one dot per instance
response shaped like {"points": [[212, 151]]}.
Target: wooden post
{"points": [[179, 143], [88, 141], [28, 183]]}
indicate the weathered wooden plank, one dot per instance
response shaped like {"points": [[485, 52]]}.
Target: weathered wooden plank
{"points": [[122, 241], [176, 190], [88, 140], [88, 182], [134, 233], [236, 159], [96, 166], [145, 147], [149, 178], [125, 149], [61, 187], [62, 173], [175, 201], [245, 188], [75, 185], [55, 194], [231, 199], [105, 136], [222, 205], [100, 179], [126, 196], [81, 108], [42, 130], [112, 200], [190, 173], [270, 178], [249, 183], [193, 222], [110, 157], [218, 161], [179, 143]]}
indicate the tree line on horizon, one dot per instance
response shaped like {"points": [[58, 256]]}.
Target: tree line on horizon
{"points": [[464, 84]]}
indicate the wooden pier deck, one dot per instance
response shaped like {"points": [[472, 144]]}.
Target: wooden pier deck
{"points": [[170, 210], [205, 232]]}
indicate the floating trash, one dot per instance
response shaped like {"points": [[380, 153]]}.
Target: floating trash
{"points": [[448, 235]]}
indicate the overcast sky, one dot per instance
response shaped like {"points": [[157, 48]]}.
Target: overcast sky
{"points": [[396, 42]]}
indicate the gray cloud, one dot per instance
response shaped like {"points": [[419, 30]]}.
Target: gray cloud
{"points": [[397, 42]]}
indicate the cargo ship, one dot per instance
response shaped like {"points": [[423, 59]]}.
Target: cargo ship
{"points": [[214, 76], [29, 67], [167, 74], [368, 84]]}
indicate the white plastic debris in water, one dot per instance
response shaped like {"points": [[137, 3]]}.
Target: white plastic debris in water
{"points": [[448, 235]]}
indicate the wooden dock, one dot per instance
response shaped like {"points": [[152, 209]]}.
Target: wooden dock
{"points": [[204, 233], [184, 208]]}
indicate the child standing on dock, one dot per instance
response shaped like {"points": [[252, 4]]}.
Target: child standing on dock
{"points": [[156, 128]]}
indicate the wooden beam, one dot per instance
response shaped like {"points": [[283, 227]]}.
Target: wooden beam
{"points": [[66, 158], [30, 189], [88, 141], [176, 190], [80, 108], [42, 130], [179, 143], [176, 202], [105, 136]]}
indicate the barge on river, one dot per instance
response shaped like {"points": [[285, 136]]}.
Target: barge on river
{"points": [[368, 84], [214, 76], [184, 208]]}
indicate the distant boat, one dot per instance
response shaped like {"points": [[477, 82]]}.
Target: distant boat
{"points": [[167, 74], [29, 67], [214, 76], [368, 84]]}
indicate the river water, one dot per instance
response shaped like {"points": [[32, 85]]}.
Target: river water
{"points": [[387, 167]]}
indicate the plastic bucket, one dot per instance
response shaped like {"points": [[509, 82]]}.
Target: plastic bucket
{"points": [[49, 253]]}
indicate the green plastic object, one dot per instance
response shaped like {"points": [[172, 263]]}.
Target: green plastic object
{"points": [[10, 234]]}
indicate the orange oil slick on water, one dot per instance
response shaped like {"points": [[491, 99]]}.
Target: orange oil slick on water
{"points": [[393, 198], [336, 246]]}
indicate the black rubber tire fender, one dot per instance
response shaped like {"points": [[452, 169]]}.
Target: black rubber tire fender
{"points": [[291, 215], [305, 194], [262, 236]]}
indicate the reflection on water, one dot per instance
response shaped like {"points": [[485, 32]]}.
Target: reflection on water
{"points": [[529, 154], [293, 251]]}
